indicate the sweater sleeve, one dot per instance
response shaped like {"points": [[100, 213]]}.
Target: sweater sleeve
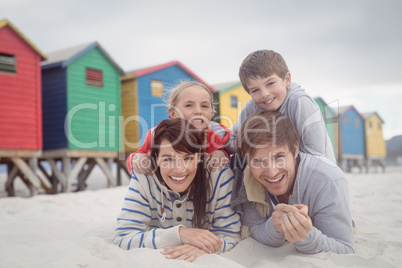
{"points": [[226, 222], [146, 146], [133, 224], [332, 230], [248, 109], [309, 123]]}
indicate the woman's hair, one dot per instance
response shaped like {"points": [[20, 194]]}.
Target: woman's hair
{"points": [[185, 138], [175, 93]]}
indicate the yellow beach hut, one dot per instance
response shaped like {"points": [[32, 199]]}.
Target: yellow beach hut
{"points": [[232, 99], [376, 150]]}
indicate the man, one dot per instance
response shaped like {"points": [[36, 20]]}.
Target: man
{"points": [[284, 194]]}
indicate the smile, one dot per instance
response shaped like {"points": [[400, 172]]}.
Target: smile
{"points": [[178, 178], [197, 121], [269, 101], [276, 180]]}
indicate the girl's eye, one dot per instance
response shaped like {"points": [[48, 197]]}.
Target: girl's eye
{"points": [[189, 158]]}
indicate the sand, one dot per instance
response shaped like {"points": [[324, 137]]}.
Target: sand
{"points": [[75, 230]]}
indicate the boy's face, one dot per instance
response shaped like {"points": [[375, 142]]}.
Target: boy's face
{"points": [[275, 168], [269, 93]]}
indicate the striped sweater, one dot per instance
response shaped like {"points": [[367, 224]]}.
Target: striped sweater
{"points": [[142, 223]]}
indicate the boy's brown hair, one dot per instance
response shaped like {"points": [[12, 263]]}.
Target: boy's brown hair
{"points": [[265, 128], [261, 64]]}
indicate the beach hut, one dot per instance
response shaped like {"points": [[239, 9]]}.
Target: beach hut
{"points": [[352, 139], [144, 96], [232, 99], [376, 150], [331, 122], [20, 105], [81, 110]]}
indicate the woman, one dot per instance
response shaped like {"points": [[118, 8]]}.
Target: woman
{"points": [[180, 208]]}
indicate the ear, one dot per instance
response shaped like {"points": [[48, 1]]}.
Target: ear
{"points": [[172, 113], [297, 150], [288, 79]]}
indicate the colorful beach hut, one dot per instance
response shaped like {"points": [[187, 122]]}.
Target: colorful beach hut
{"points": [[144, 96], [376, 150], [20, 105], [352, 139], [331, 122], [232, 99], [81, 109]]}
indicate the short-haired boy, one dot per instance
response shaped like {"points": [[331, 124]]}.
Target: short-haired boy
{"points": [[266, 77]]}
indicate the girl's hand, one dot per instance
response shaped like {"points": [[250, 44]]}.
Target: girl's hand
{"points": [[142, 163], [217, 159], [200, 238], [184, 252]]}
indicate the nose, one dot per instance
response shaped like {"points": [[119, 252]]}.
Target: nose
{"points": [[179, 166], [197, 109], [265, 92], [271, 170]]}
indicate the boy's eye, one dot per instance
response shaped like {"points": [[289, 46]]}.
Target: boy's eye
{"points": [[270, 84]]}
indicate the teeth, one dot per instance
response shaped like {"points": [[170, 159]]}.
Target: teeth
{"points": [[178, 178], [268, 102], [197, 120], [272, 181]]}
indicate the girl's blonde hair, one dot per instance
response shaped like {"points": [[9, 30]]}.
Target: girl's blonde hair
{"points": [[175, 93]]}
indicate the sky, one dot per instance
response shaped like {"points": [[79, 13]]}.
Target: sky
{"points": [[347, 52]]}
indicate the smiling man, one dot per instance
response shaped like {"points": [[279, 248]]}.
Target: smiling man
{"points": [[285, 195]]}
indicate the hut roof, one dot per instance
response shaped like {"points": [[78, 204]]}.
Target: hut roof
{"points": [[370, 114], [66, 56], [144, 71], [223, 87], [344, 109], [5, 22]]}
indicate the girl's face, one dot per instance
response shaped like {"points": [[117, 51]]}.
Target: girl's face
{"points": [[194, 105], [177, 169]]}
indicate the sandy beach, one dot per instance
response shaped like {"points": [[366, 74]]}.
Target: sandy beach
{"points": [[75, 230]]}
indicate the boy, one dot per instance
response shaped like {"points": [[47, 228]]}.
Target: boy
{"points": [[287, 195], [266, 77]]}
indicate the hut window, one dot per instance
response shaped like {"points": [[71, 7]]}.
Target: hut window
{"points": [[94, 77], [233, 101], [379, 126], [8, 63], [370, 124], [346, 120], [157, 88], [357, 122]]}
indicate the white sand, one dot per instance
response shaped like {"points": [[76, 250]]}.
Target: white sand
{"points": [[75, 229]]}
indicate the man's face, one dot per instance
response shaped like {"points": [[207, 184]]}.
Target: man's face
{"points": [[275, 168]]}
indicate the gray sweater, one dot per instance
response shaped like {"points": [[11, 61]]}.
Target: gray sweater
{"points": [[319, 184], [305, 115]]}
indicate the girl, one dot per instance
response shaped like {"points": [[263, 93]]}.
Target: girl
{"points": [[192, 101], [180, 208]]}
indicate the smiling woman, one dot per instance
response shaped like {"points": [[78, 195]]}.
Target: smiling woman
{"points": [[181, 207]]}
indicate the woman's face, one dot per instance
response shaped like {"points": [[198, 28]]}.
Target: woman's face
{"points": [[177, 169]]}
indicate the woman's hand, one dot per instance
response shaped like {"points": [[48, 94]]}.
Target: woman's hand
{"points": [[142, 163], [200, 238], [184, 252], [217, 159]]}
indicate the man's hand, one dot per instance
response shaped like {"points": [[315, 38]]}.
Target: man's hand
{"points": [[296, 224], [282, 209]]}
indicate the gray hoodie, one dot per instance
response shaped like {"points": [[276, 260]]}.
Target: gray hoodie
{"points": [[319, 184], [305, 115]]}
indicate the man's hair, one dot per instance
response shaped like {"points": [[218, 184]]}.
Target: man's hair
{"points": [[261, 64], [266, 128]]}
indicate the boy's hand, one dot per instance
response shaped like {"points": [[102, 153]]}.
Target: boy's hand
{"points": [[184, 252], [142, 163], [217, 159]]}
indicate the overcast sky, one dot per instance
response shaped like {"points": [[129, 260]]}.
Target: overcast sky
{"points": [[347, 52]]}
